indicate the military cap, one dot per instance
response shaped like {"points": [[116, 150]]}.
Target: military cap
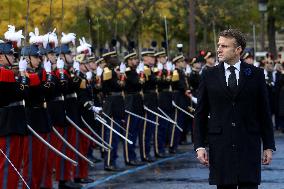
{"points": [[148, 52], [161, 52], [109, 53], [247, 55], [129, 54], [178, 57], [63, 49], [208, 54], [6, 48], [31, 50], [99, 60]]}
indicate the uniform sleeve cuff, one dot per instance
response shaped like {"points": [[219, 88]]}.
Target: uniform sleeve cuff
{"points": [[200, 148]]}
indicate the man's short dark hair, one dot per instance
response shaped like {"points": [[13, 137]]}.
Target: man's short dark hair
{"points": [[237, 35]]}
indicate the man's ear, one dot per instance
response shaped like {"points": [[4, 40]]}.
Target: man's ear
{"points": [[239, 50], [1, 57]]}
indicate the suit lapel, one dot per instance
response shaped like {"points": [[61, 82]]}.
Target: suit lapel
{"points": [[222, 80], [242, 79]]}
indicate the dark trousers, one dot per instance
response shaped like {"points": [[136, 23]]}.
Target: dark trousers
{"points": [[280, 122], [241, 186], [146, 135], [133, 128], [161, 132], [113, 140], [175, 133]]}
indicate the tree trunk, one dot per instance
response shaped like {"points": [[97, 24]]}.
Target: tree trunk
{"points": [[191, 20], [271, 35], [92, 32]]}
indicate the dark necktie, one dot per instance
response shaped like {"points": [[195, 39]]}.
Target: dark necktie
{"points": [[232, 81], [270, 77]]}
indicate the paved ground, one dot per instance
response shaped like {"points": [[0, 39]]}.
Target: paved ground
{"points": [[181, 172]]}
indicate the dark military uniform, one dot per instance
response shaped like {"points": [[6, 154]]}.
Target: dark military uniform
{"points": [[86, 103], [165, 104], [150, 99], [12, 120], [113, 106], [179, 87], [37, 119], [56, 112], [69, 83], [134, 104], [279, 96]]}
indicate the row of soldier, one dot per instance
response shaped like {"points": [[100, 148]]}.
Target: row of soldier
{"points": [[56, 103], [274, 77]]}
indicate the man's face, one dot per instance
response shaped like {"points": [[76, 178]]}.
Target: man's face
{"points": [[69, 58], [84, 67], [149, 60], [102, 64], [162, 59], [228, 51], [197, 67], [210, 61], [4, 61], [132, 62], [34, 61], [93, 65], [51, 57], [181, 64], [249, 60], [269, 66]]}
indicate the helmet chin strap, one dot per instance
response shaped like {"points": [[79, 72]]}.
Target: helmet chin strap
{"points": [[86, 67], [31, 62], [8, 60]]}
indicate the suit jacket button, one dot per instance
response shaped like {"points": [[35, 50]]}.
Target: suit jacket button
{"points": [[233, 124]]}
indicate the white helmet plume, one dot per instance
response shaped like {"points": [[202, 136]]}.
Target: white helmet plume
{"points": [[35, 38], [12, 35], [84, 47], [50, 37], [68, 38]]}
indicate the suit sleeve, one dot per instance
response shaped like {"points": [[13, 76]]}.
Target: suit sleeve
{"points": [[267, 134], [201, 114]]}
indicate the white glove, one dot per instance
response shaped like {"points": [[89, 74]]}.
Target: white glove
{"points": [[97, 109], [59, 63], [76, 66], [169, 66], [99, 71], [89, 75], [23, 64], [160, 66], [122, 68], [187, 69], [140, 67], [47, 65], [137, 70]]}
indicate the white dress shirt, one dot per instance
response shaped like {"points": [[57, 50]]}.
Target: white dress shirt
{"points": [[237, 71], [273, 76]]}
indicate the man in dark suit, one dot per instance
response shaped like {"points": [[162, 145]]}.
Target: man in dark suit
{"points": [[234, 115]]}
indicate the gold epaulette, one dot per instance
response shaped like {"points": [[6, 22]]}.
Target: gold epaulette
{"points": [[155, 70], [175, 76], [128, 69], [107, 75], [80, 58], [83, 84], [147, 71]]}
